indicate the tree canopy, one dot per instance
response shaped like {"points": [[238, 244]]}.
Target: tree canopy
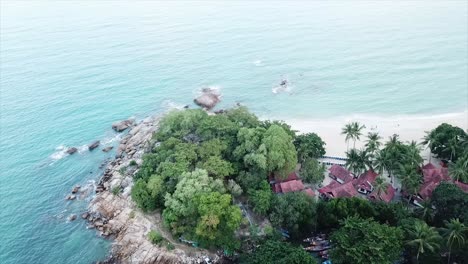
{"points": [[366, 241], [272, 251]]}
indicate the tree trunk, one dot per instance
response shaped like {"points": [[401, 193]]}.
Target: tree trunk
{"points": [[450, 251]]}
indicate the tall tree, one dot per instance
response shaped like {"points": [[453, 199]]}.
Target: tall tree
{"points": [[281, 153], [357, 161], [347, 130], [352, 242], [312, 171], [410, 179], [459, 169], [423, 238], [454, 233], [357, 131], [373, 142], [446, 141], [293, 211], [309, 145], [380, 185], [272, 251]]}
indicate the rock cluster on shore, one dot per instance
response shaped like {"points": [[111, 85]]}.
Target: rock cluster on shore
{"points": [[208, 99], [116, 216]]}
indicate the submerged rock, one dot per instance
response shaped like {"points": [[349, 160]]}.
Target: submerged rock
{"points": [[85, 215], [94, 145], [122, 125], [208, 99], [107, 149], [72, 217], [71, 150], [70, 197], [76, 188]]}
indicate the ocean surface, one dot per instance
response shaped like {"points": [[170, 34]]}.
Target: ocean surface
{"points": [[70, 69]]}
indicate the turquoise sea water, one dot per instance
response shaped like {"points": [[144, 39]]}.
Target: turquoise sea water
{"points": [[70, 69]]}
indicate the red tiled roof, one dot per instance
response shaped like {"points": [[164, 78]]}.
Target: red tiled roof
{"points": [[365, 180], [291, 186], [309, 192], [462, 186], [386, 197], [429, 166], [340, 173], [427, 188], [432, 173], [336, 190], [291, 176]]}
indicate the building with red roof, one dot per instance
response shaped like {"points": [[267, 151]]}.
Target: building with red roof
{"points": [[309, 192], [386, 196], [364, 183], [291, 184], [340, 174], [432, 177], [275, 179], [431, 173], [462, 186], [335, 190]]}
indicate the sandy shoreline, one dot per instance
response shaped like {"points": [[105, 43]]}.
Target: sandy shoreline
{"points": [[408, 127]]}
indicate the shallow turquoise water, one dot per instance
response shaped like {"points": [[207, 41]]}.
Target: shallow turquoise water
{"points": [[68, 70]]}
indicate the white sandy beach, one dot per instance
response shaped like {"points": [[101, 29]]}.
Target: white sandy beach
{"points": [[410, 127]]}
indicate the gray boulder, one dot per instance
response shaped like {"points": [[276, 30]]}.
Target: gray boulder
{"points": [[208, 99], [71, 150], [107, 149], [122, 125], [94, 145]]}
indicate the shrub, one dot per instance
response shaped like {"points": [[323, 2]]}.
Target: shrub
{"points": [[133, 163], [170, 246], [155, 237], [116, 190], [132, 215]]}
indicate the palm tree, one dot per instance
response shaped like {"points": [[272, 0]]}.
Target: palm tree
{"points": [[454, 232], [382, 162], [423, 237], [414, 154], [394, 140], [452, 147], [429, 140], [459, 169], [348, 131], [380, 185], [426, 212], [357, 161], [352, 131], [372, 142], [410, 179]]}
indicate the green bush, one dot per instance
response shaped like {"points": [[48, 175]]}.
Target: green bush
{"points": [[170, 246], [116, 190], [155, 237], [133, 163]]}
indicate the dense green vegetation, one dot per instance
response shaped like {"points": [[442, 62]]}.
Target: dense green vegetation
{"points": [[366, 241], [202, 167], [200, 163], [272, 251]]}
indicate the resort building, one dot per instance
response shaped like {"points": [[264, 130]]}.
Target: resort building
{"points": [[364, 183], [340, 174], [336, 190], [386, 196], [291, 184]]}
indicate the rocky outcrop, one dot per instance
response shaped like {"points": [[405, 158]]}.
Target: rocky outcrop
{"points": [[71, 150], [116, 216], [208, 99], [94, 145], [107, 149], [122, 125]]}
